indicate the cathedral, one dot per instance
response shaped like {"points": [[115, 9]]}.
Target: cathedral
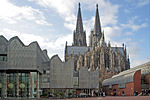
{"points": [[98, 54]]}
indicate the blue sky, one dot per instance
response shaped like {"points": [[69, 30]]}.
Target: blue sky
{"points": [[51, 23]]}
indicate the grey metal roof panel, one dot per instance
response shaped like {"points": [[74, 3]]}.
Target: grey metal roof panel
{"points": [[120, 79], [76, 50], [127, 76]]}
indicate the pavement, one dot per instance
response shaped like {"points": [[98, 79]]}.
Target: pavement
{"points": [[96, 98], [113, 98]]}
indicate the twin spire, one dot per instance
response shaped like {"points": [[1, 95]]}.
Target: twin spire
{"points": [[79, 37], [97, 25]]}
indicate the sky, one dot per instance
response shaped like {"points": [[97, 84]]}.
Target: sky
{"points": [[51, 23]]}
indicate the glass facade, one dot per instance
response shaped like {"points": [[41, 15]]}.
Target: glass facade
{"points": [[15, 84], [3, 57]]}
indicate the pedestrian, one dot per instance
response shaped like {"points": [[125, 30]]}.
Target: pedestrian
{"points": [[104, 94], [123, 94]]}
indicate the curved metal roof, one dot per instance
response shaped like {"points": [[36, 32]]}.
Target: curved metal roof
{"points": [[122, 79], [127, 76]]}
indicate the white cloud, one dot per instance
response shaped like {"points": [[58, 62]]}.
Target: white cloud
{"points": [[11, 13], [53, 47], [143, 3], [131, 24], [66, 10], [133, 51], [139, 62], [129, 33], [138, 3]]}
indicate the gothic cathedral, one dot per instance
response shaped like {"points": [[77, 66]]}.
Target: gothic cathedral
{"points": [[99, 54]]}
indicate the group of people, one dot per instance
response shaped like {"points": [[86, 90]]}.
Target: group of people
{"points": [[146, 92]]}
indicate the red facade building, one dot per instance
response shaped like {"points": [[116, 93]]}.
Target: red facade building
{"points": [[128, 82]]}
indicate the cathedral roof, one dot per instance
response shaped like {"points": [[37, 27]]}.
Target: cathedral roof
{"points": [[76, 50]]}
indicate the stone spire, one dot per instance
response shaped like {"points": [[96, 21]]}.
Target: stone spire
{"points": [[79, 35], [79, 25], [97, 25]]}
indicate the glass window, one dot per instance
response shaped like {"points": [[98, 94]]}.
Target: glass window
{"points": [[47, 72], [3, 57]]}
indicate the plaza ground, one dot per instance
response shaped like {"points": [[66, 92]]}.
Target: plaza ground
{"points": [[114, 98], [96, 98]]}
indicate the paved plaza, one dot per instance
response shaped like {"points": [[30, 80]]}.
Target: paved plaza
{"points": [[114, 98], [96, 98]]}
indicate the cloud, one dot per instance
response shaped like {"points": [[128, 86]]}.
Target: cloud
{"points": [[143, 3], [11, 13], [108, 14], [66, 10], [138, 3], [127, 10], [133, 51], [131, 24], [107, 10], [53, 47], [140, 62], [129, 33]]}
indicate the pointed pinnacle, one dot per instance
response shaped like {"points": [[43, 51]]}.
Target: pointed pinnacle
{"points": [[79, 4]]}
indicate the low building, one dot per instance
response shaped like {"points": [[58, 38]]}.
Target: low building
{"points": [[63, 78], [21, 68], [27, 71], [128, 82]]}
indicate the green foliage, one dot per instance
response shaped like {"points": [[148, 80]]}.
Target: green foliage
{"points": [[55, 94], [61, 94], [70, 94], [45, 94]]}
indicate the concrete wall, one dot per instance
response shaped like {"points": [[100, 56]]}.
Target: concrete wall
{"points": [[21, 57], [3, 45], [88, 79], [61, 73]]}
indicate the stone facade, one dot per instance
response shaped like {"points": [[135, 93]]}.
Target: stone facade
{"points": [[99, 54]]}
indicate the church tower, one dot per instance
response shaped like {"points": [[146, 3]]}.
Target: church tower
{"points": [[79, 35], [96, 34]]}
